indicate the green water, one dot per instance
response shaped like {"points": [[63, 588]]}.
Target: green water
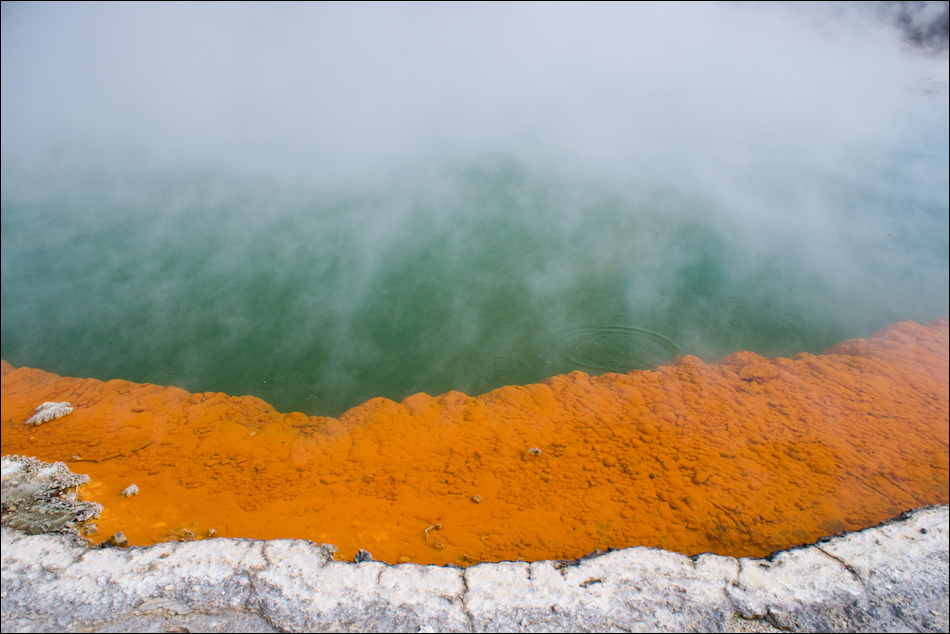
{"points": [[317, 299]]}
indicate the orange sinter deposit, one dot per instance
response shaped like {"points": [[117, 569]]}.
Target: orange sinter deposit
{"points": [[740, 457]]}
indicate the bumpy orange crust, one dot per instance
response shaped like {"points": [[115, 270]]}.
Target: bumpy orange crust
{"points": [[739, 457]]}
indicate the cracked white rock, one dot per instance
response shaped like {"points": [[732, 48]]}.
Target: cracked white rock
{"points": [[239, 584], [130, 490], [49, 411]]}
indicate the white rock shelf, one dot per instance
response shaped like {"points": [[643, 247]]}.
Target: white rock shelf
{"points": [[893, 577]]}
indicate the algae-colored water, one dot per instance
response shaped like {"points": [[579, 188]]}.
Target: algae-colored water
{"points": [[317, 301], [295, 204]]}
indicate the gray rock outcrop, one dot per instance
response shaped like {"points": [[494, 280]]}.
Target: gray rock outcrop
{"points": [[40, 497]]}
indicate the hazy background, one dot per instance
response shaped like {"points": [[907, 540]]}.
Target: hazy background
{"points": [[324, 203]]}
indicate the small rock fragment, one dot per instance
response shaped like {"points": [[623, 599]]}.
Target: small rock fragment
{"points": [[211, 533], [476, 499], [130, 491], [49, 411], [119, 540], [185, 535], [363, 556]]}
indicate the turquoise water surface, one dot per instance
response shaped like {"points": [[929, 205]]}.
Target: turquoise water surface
{"points": [[318, 204], [317, 300]]}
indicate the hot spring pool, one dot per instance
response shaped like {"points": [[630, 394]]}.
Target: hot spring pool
{"points": [[303, 207], [317, 301]]}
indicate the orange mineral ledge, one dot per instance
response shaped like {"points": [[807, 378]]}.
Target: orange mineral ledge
{"points": [[739, 457]]}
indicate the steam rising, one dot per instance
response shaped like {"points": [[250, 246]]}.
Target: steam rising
{"points": [[335, 202]]}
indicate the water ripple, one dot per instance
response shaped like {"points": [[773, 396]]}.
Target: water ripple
{"points": [[614, 349]]}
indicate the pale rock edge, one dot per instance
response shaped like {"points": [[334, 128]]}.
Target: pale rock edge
{"points": [[893, 577]]}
